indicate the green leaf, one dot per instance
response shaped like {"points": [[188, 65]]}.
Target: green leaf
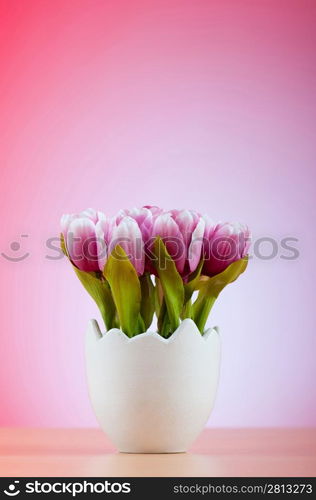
{"points": [[201, 310], [171, 283], [161, 316], [126, 292], [193, 281], [189, 288], [210, 288], [63, 245], [100, 291], [164, 327], [147, 306], [216, 284], [158, 296]]}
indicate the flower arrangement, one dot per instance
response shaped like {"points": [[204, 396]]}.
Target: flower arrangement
{"points": [[150, 261]]}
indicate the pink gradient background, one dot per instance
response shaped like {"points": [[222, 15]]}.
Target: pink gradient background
{"points": [[181, 103]]}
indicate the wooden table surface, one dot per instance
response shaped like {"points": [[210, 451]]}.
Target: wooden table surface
{"points": [[217, 452]]}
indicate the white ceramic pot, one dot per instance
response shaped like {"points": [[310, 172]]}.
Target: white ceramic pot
{"points": [[149, 394]]}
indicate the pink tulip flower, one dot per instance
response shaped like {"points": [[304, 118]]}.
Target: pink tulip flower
{"points": [[192, 226], [223, 244], [103, 230], [144, 218], [182, 232], [128, 235], [79, 231], [90, 237], [154, 210]]}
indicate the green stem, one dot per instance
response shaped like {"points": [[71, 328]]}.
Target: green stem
{"points": [[202, 309], [187, 310], [164, 327]]}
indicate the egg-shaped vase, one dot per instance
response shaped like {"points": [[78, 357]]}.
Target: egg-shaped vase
{"points": [[151, 394]]}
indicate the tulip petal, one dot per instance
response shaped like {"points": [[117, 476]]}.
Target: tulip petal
{"points": [[103, 230], [186, 223], [81, 244], [195, 248], [65, 221], [128, 235], [167, 229], [89, 213]]}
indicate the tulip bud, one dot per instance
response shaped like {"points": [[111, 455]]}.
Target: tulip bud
{"points": [[144, 218], [81, 244], [168, 230], [182, 232], [103, 231], [128, 235], [191, 226], [79, 231], [223, 244]]}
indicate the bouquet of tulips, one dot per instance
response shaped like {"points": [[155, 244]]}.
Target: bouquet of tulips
{"points": [[150, 261]]}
